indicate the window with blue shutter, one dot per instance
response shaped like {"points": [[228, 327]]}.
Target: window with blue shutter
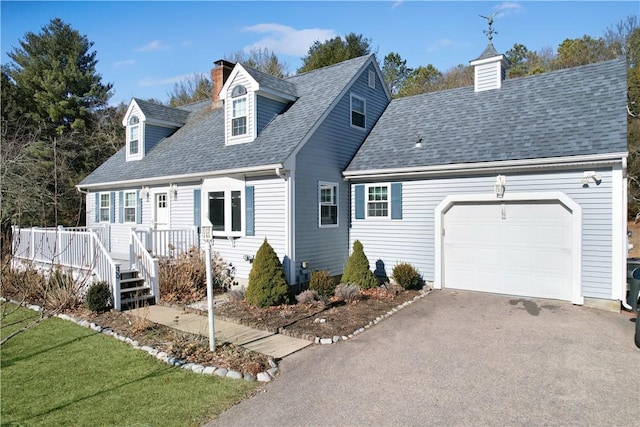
{"points": [[138, 208], [112, 207], [121, 207], [396, 200], [250, 210], [97, 211], [359, 201], [196, 207]]}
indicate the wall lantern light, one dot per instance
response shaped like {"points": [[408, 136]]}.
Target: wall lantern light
{"points": [[501, 180]]}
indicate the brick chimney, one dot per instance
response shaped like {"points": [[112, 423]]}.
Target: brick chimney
{"points": [[219, 75]]}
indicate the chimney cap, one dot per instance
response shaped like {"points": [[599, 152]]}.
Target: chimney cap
{"points": [[224, 63]]}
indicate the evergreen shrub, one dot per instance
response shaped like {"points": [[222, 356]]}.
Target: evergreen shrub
{"points": [[98, 297], [267, 283], [406, 275], [357, 270], [322, 282]]}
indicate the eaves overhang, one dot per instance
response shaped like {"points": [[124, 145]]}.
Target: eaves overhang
{"points": [[522, 165]]}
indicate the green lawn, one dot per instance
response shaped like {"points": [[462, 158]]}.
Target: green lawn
{"points": [[58, 373]]}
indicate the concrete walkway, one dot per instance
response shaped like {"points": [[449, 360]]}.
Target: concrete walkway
{"points": [[269, 343]]}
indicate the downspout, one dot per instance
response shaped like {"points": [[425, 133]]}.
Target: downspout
{"points": [[625, 239], [289, 217]]}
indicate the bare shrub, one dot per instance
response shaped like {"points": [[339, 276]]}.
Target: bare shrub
{"points": [[21, 285], [347, 292], [62, 291], [183, 278], [308, 297], [236, 295]]}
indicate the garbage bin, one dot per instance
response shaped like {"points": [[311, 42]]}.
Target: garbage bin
{"points": [[634, 289]]}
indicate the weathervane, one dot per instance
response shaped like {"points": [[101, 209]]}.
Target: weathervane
{"points": [[491, 31]]}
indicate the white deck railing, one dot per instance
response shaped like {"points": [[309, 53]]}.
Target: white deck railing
{"points": [[76, 248], [165, 243], [145, 263]]}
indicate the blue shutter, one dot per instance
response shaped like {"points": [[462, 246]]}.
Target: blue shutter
{"points": [[250, 211], [359, 201], [121, 207], [112, 207], [97, 213], [196, 207], [138, 208], [396, 200]]}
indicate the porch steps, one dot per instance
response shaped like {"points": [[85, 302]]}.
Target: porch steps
{"points": [[134, 292]]}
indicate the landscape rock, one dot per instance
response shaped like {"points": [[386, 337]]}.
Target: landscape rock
{"points": [[273, 363], [209, 370], [326, 341], [234, 375], [188, 366], [222, 372], [264, 377], [250, 378], [197, 369], [336, 338]]}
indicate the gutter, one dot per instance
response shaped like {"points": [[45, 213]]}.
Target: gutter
{"points": [[183, 178], [484, 167]]}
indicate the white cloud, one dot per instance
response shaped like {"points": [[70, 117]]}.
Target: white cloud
{"points": [[508, 8], [444, 43], [123, 63], [152, 46], [149, 81], [396, 3], [287, 40]]}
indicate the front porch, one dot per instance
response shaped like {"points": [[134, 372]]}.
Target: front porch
{"points": [[85, 253]]}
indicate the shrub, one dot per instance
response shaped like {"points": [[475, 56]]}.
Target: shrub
{"points": [[347, 293], [267, 282], [357, 270], [322, 282], [62, 291], [98, 297], [406, 275], [308, 297], [236, 295]]}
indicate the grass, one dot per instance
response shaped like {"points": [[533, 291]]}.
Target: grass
{"points": [[58, 373]]}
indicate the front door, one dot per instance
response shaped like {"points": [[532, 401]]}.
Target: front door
{"points": [[161, 211]]}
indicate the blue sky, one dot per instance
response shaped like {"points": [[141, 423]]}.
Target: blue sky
{"points": [[144, 47]]}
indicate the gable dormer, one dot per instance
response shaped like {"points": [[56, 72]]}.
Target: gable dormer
{"points": [[251, 100], [147, 124], [490, 69]]}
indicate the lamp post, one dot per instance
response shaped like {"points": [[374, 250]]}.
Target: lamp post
{"points": [[207, 237]]}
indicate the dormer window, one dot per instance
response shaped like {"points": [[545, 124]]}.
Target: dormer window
{"points": [[239, 111], [133, 136]]}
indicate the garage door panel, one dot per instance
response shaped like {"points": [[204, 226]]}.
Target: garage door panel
{"points": [[520, 248]]}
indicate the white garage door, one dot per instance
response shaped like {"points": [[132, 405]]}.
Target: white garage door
{"points": [[509, 248]]}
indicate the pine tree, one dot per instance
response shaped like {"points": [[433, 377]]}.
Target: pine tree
{"points": [[357, 271], [267, 282]]}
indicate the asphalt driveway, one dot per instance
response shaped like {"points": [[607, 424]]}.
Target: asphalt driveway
{"points": [[462, 358]]}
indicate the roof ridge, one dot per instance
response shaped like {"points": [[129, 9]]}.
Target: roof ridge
{"points": [[332, 65]]}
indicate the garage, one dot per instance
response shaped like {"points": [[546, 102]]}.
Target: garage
{"points": [[523, 248]]}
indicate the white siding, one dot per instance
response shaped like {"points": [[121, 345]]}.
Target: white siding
{"points": [[412, 238]]}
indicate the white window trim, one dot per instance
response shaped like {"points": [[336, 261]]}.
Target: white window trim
{"points": [[366, 201], [320, 204], [372, 79], [108, 207], [226, 185], [250, 115], [364, 101], [125, 207]]}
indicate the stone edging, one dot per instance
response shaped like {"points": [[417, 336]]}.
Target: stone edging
{"points": [[338, 338], [167, 358]]}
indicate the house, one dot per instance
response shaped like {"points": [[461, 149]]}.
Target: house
{"points": [[263, 159], [513, 186]]}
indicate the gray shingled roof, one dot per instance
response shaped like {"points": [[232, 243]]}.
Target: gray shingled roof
{"points": [[571, 112], [489, 52], [162, 112], [271, 81], [198, 146]]}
